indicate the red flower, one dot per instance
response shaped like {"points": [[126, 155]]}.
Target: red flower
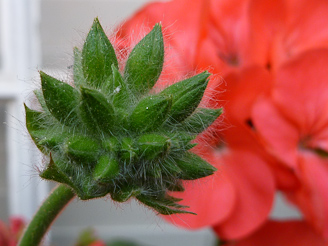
{"points": [[293, 123], [275, 95], [9, 235]]}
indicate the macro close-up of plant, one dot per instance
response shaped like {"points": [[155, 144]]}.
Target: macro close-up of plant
{"points": [[109, 133], [174, 122]]}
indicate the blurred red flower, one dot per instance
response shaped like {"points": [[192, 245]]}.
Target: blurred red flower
{"points": [[270, 64], [293, 121], [9, 235]]}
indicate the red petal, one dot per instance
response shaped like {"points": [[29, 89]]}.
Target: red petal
{"points": [[243, 90], [280, 137], [312, 196], [301, 91], [267, 18], [305, 29], [288, 233], [255, 188]]}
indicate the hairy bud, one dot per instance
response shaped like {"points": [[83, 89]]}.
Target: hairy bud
{"points": [[108, 134]]}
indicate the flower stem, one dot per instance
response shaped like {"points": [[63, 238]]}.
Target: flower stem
{"points": [[46, 214]]}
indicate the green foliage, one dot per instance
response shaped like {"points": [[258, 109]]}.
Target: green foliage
{"points": [[110, 135]]}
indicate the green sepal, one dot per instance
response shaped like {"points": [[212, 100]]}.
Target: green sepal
{"points": [[163, 204], [61, 99], [124, 193], [91, 189], [169, 168], [53, 139], [52, 172], [186, 95], [145, 62], [150, 113], [175, 186], [34, 120], [44, 138], [82, 149], [96, 111], [78, 74], [194, 167], [200, 120], [35, 125], [98, 55], [152, 146], [106, 169]]}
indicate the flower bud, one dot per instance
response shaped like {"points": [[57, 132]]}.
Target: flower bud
{"points": [[110, 135]]}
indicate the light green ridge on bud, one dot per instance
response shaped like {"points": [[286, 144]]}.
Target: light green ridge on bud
{"points": [[60, 98], [109, 135], [150, 113], [98, 55], [145, 62], [96, 111]]}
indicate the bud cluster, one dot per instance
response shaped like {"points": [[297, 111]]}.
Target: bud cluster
{"points": [[108, 134]]}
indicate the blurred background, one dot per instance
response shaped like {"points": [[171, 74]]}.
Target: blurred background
{"points": [[40, 35]]}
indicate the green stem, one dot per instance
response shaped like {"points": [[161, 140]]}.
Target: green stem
{"points": [[46, 214]]}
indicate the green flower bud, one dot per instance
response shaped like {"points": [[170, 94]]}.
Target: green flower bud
{"points": [[109, 135]]}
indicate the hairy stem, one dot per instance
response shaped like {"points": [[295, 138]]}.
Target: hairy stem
{"points": [[46, 214]]}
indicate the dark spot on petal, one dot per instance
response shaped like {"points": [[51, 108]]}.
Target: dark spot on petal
{"points": [[249, 123]]}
